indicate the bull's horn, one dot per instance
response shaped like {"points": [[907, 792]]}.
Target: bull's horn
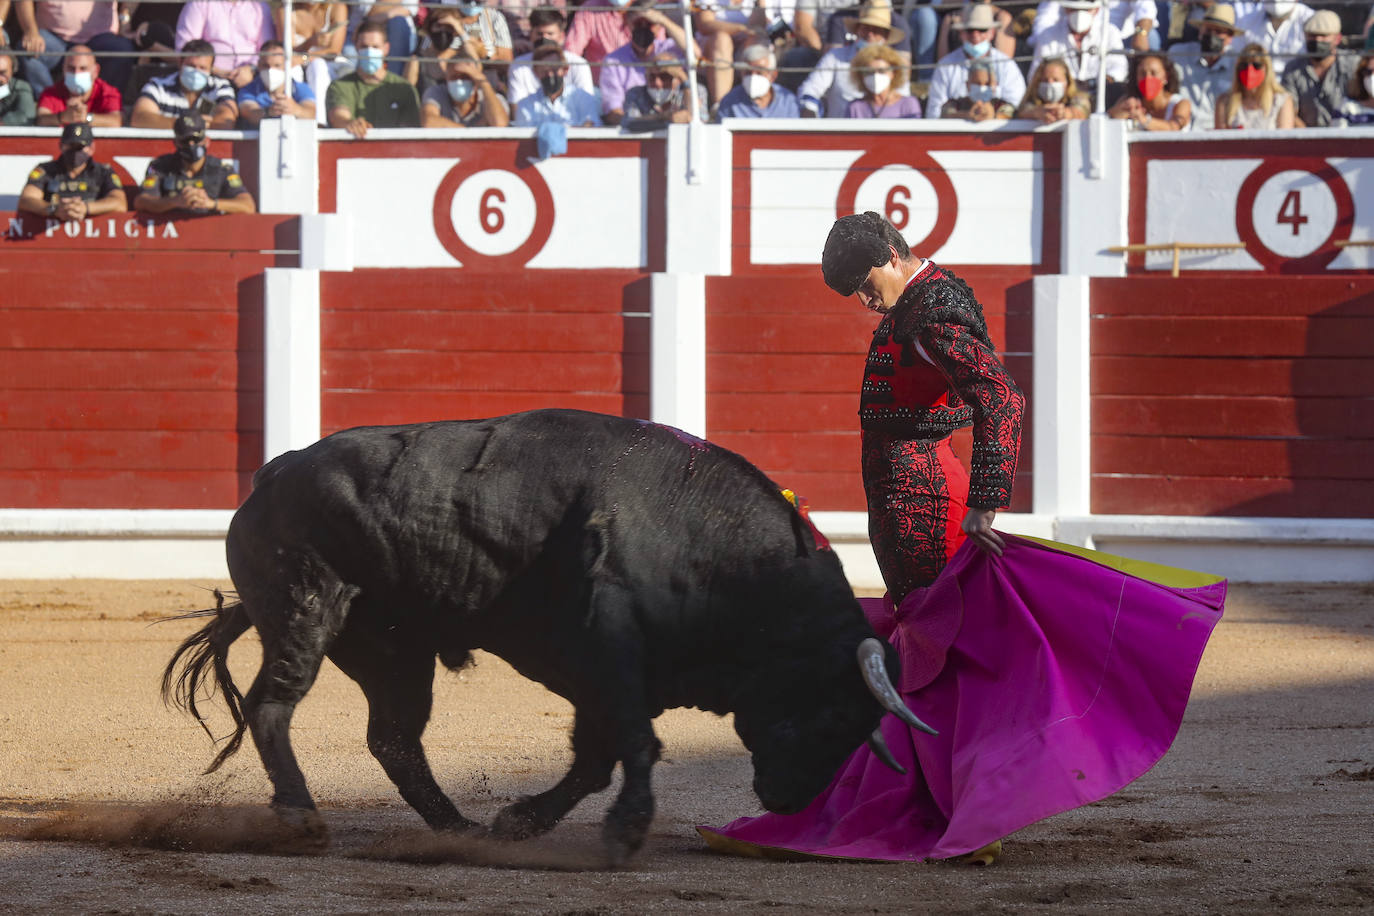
{"points": [[874, 668], [880, 750]]}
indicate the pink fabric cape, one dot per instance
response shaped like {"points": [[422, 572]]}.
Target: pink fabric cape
{"points": [[1055, 676]]}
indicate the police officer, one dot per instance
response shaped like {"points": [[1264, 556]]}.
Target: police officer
{"points": [[190, 180], [73, 186]]}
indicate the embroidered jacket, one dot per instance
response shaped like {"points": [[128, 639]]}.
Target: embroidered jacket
{"points": [[932, 369]]}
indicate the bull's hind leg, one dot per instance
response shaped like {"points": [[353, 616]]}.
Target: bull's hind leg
{"points": [[400, 691], [294, 641], [593, 760]]}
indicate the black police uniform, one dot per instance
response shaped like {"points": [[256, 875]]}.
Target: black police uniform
{"points": [[165, 178], [95, 181]]}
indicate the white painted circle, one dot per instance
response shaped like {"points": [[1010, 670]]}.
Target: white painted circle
{"points": [[493, 212], [1294, 213], [901, 193]]}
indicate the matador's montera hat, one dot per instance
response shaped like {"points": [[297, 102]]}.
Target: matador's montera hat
{"points": [[857, 243]]}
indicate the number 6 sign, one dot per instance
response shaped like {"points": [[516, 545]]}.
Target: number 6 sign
{"points": [[492, 218], [916, 196]]}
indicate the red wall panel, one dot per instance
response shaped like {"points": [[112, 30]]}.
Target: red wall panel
{"points": [[784, 360], [131, 368], [412, 346], [1233, 396]]}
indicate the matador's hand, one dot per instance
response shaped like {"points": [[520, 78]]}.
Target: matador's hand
{"points": [[977, 525]]}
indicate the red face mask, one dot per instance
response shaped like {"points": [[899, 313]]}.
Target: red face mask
{"points": [[1251, 75], [1149, 87]]}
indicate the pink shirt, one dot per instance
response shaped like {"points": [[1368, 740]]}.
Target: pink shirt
{"points": [[76, 21], [237, 28], [597, 30]]}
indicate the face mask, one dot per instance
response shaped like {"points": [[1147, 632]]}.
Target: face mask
{"points": [[191, 154], [877, 83], [1251, 77], [78, 83], [980, 93], [642, 37], [660, 95], [469, 9], [193, 80], [1368, 82], [1318, 48], [460, 90], [73, 159], [272, 78], [1149, 87], [1051, 92], [552, 83], [1080, 21], [4, 91], [1212, 43], [370, 60], [620, 4], [756, 85], [1279, 8], [977, 50]]}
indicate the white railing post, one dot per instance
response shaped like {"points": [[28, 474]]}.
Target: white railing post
{"points": [[1062, 413], [677, 351], [291, 360]]}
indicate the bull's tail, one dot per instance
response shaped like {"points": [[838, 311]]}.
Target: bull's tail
{"points": [[191, 665]]}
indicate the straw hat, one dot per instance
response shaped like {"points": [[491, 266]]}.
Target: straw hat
{"points": [[877, 13], [1219, 16], [977, 17]]}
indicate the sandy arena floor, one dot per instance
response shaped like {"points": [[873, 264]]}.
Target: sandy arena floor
{"points": [[1265, 804]]}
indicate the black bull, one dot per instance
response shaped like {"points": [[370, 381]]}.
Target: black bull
{"points": [[626, 566]]}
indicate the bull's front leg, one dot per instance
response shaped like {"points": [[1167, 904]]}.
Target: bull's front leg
{"points": [[627, 822], [593, 761]]}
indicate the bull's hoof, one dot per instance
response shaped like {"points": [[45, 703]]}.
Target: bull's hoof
{"points": [[622, 841], [520, 821], [306, 829]]}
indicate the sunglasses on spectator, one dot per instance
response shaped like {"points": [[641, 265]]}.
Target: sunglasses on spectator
{"points": [[1252, 65]]}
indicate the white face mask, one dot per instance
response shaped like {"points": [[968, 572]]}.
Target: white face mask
{"points": [[756, 85], [1080, 21], [877, 83], [273, 78], [4, 91], [1279, 8], [660, 94], [1051, 92], [1368, 84]]}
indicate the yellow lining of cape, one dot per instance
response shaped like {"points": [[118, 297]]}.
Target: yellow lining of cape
{"points": [[1170, 576]]}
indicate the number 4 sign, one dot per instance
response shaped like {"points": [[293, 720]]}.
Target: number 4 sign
{"points": [[1291, 211]]}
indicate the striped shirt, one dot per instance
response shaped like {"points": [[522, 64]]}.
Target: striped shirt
{"points": [[165, 91]]}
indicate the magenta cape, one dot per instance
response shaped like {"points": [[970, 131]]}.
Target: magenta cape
{"points": [[1055, 676]]}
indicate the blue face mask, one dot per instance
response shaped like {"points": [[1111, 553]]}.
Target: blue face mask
{"points": [[79, 83], [370, 60], [469, 9], [460, 90], [193, 80], [977, 50], [980, 93]]}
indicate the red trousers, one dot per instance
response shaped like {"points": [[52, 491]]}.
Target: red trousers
{"points": [[916, 491]]}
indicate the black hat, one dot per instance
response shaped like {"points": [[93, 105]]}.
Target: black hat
{"points": [[187, 125], [77, 135], [857, 243]]}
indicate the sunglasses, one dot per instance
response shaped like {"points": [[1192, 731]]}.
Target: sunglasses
{"points": [[1252, 65]]}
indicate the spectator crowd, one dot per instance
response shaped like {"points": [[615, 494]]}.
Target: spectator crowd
{"points": [[1163, 65]]}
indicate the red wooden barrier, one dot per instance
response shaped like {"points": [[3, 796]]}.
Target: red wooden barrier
{"points": [[131, 364], [1233, 396], [412, 346]]}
